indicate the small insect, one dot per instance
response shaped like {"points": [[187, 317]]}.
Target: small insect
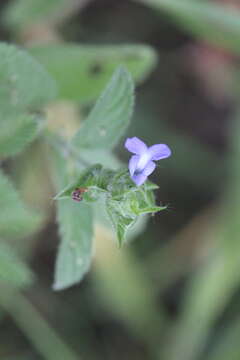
{"points": [[77, 194]]}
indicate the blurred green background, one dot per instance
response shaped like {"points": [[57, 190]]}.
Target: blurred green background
{"points": [[174, 292]]}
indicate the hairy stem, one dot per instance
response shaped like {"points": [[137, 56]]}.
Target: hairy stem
{"points": [[65, 148]]}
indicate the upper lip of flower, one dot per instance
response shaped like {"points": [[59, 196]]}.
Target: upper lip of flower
{"points": [[141, 165]]}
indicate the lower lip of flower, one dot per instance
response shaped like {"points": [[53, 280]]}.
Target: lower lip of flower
{"points": [[144, 159]]}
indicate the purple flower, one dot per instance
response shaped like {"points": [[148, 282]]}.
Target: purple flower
{"points": [[142, 164]]}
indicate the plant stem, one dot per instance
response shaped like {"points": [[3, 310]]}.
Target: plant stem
{"points": [[65, 148]]}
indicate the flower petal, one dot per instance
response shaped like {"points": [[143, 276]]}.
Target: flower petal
{"points": [[139, 179], [149, 168], [132, 165], [135, 145], [159, 151]]}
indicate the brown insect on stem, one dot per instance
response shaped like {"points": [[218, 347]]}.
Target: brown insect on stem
{"points": [[77, 193]]}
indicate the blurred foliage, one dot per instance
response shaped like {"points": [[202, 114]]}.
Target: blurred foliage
{"points": [[15, 219], [174, 292], [94, 65], [12, 271], [110, 117], [217, 24], [22, 13], [25, 88]]}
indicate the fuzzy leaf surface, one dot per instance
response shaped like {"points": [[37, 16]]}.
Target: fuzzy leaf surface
{"points": [[25, 88], [16, 220], [75, 223], [110, 116]]}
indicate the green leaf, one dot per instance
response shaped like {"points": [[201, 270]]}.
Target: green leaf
{"points": [[22, 13], [110, 116], [15, 219], [12, 270], [217, 24], [16, 133], [76, 232], [75, 251], [82, 71], [100, 156], [25, 87]]}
